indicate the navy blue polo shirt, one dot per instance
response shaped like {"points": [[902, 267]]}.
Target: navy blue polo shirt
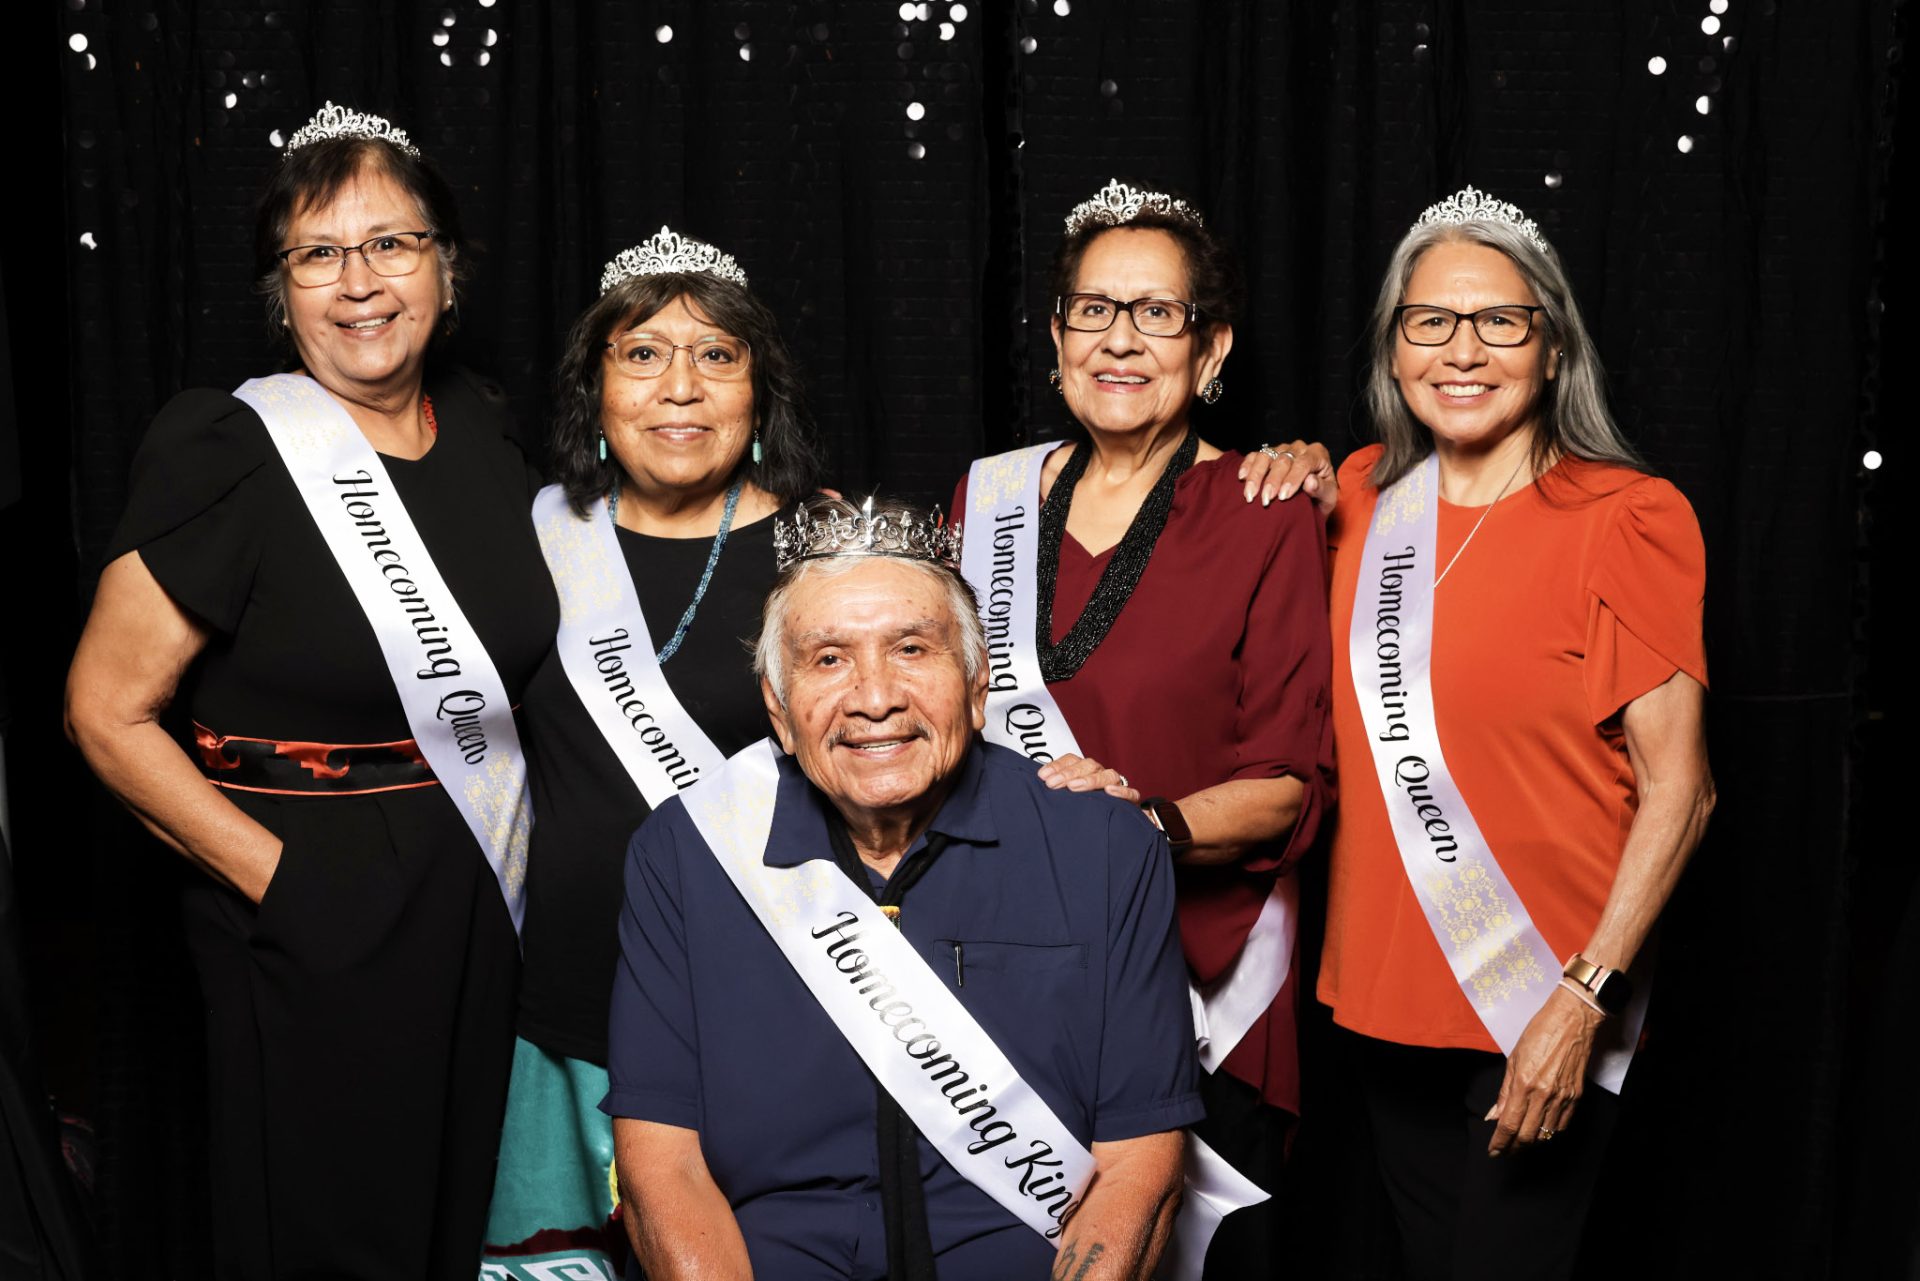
{"points": [[1050, 916]]}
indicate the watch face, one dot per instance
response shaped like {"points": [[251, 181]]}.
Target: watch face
{"points": [[1614, 992]]}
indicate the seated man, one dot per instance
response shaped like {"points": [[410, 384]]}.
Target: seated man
{"points": [[991, 1087]]}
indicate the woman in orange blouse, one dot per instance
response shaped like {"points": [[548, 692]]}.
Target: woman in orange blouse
{"points": [[1518, 686]]}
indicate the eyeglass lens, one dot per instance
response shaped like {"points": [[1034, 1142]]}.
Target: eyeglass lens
{"points": [[1496, 326], [394, 254], [650, 356], [1156, 317]]}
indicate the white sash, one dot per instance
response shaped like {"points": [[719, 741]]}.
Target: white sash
{"points": [[1502, 964], [999, 555], [913, 1033], [455, 703], [608, 653]]}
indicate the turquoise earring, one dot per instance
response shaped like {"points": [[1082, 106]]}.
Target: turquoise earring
{"points": [[603, 447], [756, 449]]}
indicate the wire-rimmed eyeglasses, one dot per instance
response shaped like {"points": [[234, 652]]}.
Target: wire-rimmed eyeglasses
{"points": [[1508, 325], [645, 355], [391, 253], [1154, 317]]}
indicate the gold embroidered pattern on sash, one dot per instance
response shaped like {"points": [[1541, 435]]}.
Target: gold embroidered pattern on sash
{"points": [[582, 574], [498, 797], [1404, 503], [1000, 478], [1480, 923]]}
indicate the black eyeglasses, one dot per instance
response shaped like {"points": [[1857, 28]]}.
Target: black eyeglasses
{"points": [[392, 253], [1508, 325], [1155, 317]]}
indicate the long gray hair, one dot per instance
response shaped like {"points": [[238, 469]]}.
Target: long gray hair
{"points": [[1572, 414]]}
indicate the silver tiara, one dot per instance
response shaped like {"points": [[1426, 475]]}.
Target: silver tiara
{"points": [[339, 122], [670, 253], [1468, 205], [1117, 203], [828, 527]]}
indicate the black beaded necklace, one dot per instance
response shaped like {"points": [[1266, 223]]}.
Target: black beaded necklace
{"points": [[1117, 580]]}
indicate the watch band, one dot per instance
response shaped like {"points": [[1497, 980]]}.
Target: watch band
{"points": [[1611, 989], [1166, 816]]}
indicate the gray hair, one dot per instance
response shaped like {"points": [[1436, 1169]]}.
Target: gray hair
{"points": [[1573, 411], [769, 651]]}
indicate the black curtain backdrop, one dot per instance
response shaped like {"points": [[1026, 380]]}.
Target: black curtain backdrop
{"points": [[893, 178]]}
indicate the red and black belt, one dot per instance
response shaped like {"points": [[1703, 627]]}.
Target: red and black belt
{"points": [[245, 764]]}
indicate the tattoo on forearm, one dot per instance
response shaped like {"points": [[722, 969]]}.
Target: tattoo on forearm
{"points": [[1065, 1270]]}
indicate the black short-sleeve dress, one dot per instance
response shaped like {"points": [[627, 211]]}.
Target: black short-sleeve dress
{"points": [[360, 1020]]}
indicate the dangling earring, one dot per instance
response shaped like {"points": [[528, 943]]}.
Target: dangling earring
{"points": [[1212, 392], [603, 447], [1053, 380], [756, 449]]}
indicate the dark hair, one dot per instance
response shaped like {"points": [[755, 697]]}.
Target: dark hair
{"points": [[314, 175], [1213, 270], [789, 467]]}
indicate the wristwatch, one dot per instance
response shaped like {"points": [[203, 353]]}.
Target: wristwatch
{"points": [[1166, 816], [1610, 989]]}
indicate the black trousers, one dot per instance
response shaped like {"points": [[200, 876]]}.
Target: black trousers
{"points": [[1251, 1136], [360, 1036], [1465, 1216]]}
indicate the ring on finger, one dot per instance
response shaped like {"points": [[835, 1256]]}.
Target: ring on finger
{"points": [[1269, 451], [1547, 1132], [1123, 780]]}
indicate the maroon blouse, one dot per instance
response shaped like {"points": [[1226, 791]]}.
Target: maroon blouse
{"points": [[1216, 669]]}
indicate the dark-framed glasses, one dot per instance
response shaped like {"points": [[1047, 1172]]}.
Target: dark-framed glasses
{"points": [[1507, 325], [643, 355], [392, 253], [1155, 317]]}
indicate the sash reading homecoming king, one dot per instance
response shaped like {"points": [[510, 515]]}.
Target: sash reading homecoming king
{"points": [[453, 697], [998, 556], [1499, 959], [915, 1036], [608, 653]]}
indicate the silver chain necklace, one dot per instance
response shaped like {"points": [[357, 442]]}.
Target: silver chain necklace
{"points": [[1483, 520]]}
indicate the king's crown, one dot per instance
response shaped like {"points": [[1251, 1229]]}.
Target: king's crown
{"points": [[824, 527], [1468, 205], [1116, 204], [341, 122], [669, 252]]}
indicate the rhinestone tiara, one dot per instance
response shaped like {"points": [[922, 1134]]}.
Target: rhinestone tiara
{"points": [[669, 252], [1117, 203], [826, 527], [341, 122], [1468, 205]]}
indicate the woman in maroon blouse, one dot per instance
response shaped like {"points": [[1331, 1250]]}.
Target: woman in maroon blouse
{"points": [[1183, 631]]}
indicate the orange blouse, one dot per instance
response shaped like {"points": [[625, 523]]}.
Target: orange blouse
{"points": [[1579, 594]]}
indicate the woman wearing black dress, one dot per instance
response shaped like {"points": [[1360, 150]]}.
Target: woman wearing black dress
{"points": [[679, 431], [336, 568]]}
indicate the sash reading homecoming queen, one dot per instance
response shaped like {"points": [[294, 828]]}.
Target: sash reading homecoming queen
{"points": [[999, 552], [1499, 959], [916, 1037], [452, 694], [608, 653]]}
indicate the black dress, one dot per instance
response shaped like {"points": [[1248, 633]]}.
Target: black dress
{"points": [[360, 1020], [586, 802]]}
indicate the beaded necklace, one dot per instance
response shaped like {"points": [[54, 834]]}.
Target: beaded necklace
{"points": [[672, 647], [1117, 580]]}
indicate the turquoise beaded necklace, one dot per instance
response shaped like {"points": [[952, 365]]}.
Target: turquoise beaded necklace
{"points": [[672, 647]]}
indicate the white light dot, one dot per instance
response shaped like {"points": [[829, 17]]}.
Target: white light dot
{"points": [[483, 57], [1657, 65], [663, 33], [916, 151], [958, 13], [908, 12], [1726, 42], [487, 4], [1718, 6], [1685, 143], [446, 17], [1063, 7], [1870, 460], [276, 139], [441, 38], [233, 100], [491, 39], [1703, 104], [916, 111], [86, 238], [946, 31], [77, 42], [1554, 179], [91, 62], [1710, 25], [1028, 44], [446, 59], [925, 11], [746, 53]]}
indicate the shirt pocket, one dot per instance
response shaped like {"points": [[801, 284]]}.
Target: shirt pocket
{"points": [[987, 956]]}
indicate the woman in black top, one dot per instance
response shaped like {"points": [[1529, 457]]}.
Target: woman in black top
{"points": [[680, 425], [354, 944]]}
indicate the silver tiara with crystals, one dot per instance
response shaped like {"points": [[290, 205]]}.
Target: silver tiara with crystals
{"points": [[825, 527], [1468, 205], [341, 122], [1116, 204], [670, 253]]}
